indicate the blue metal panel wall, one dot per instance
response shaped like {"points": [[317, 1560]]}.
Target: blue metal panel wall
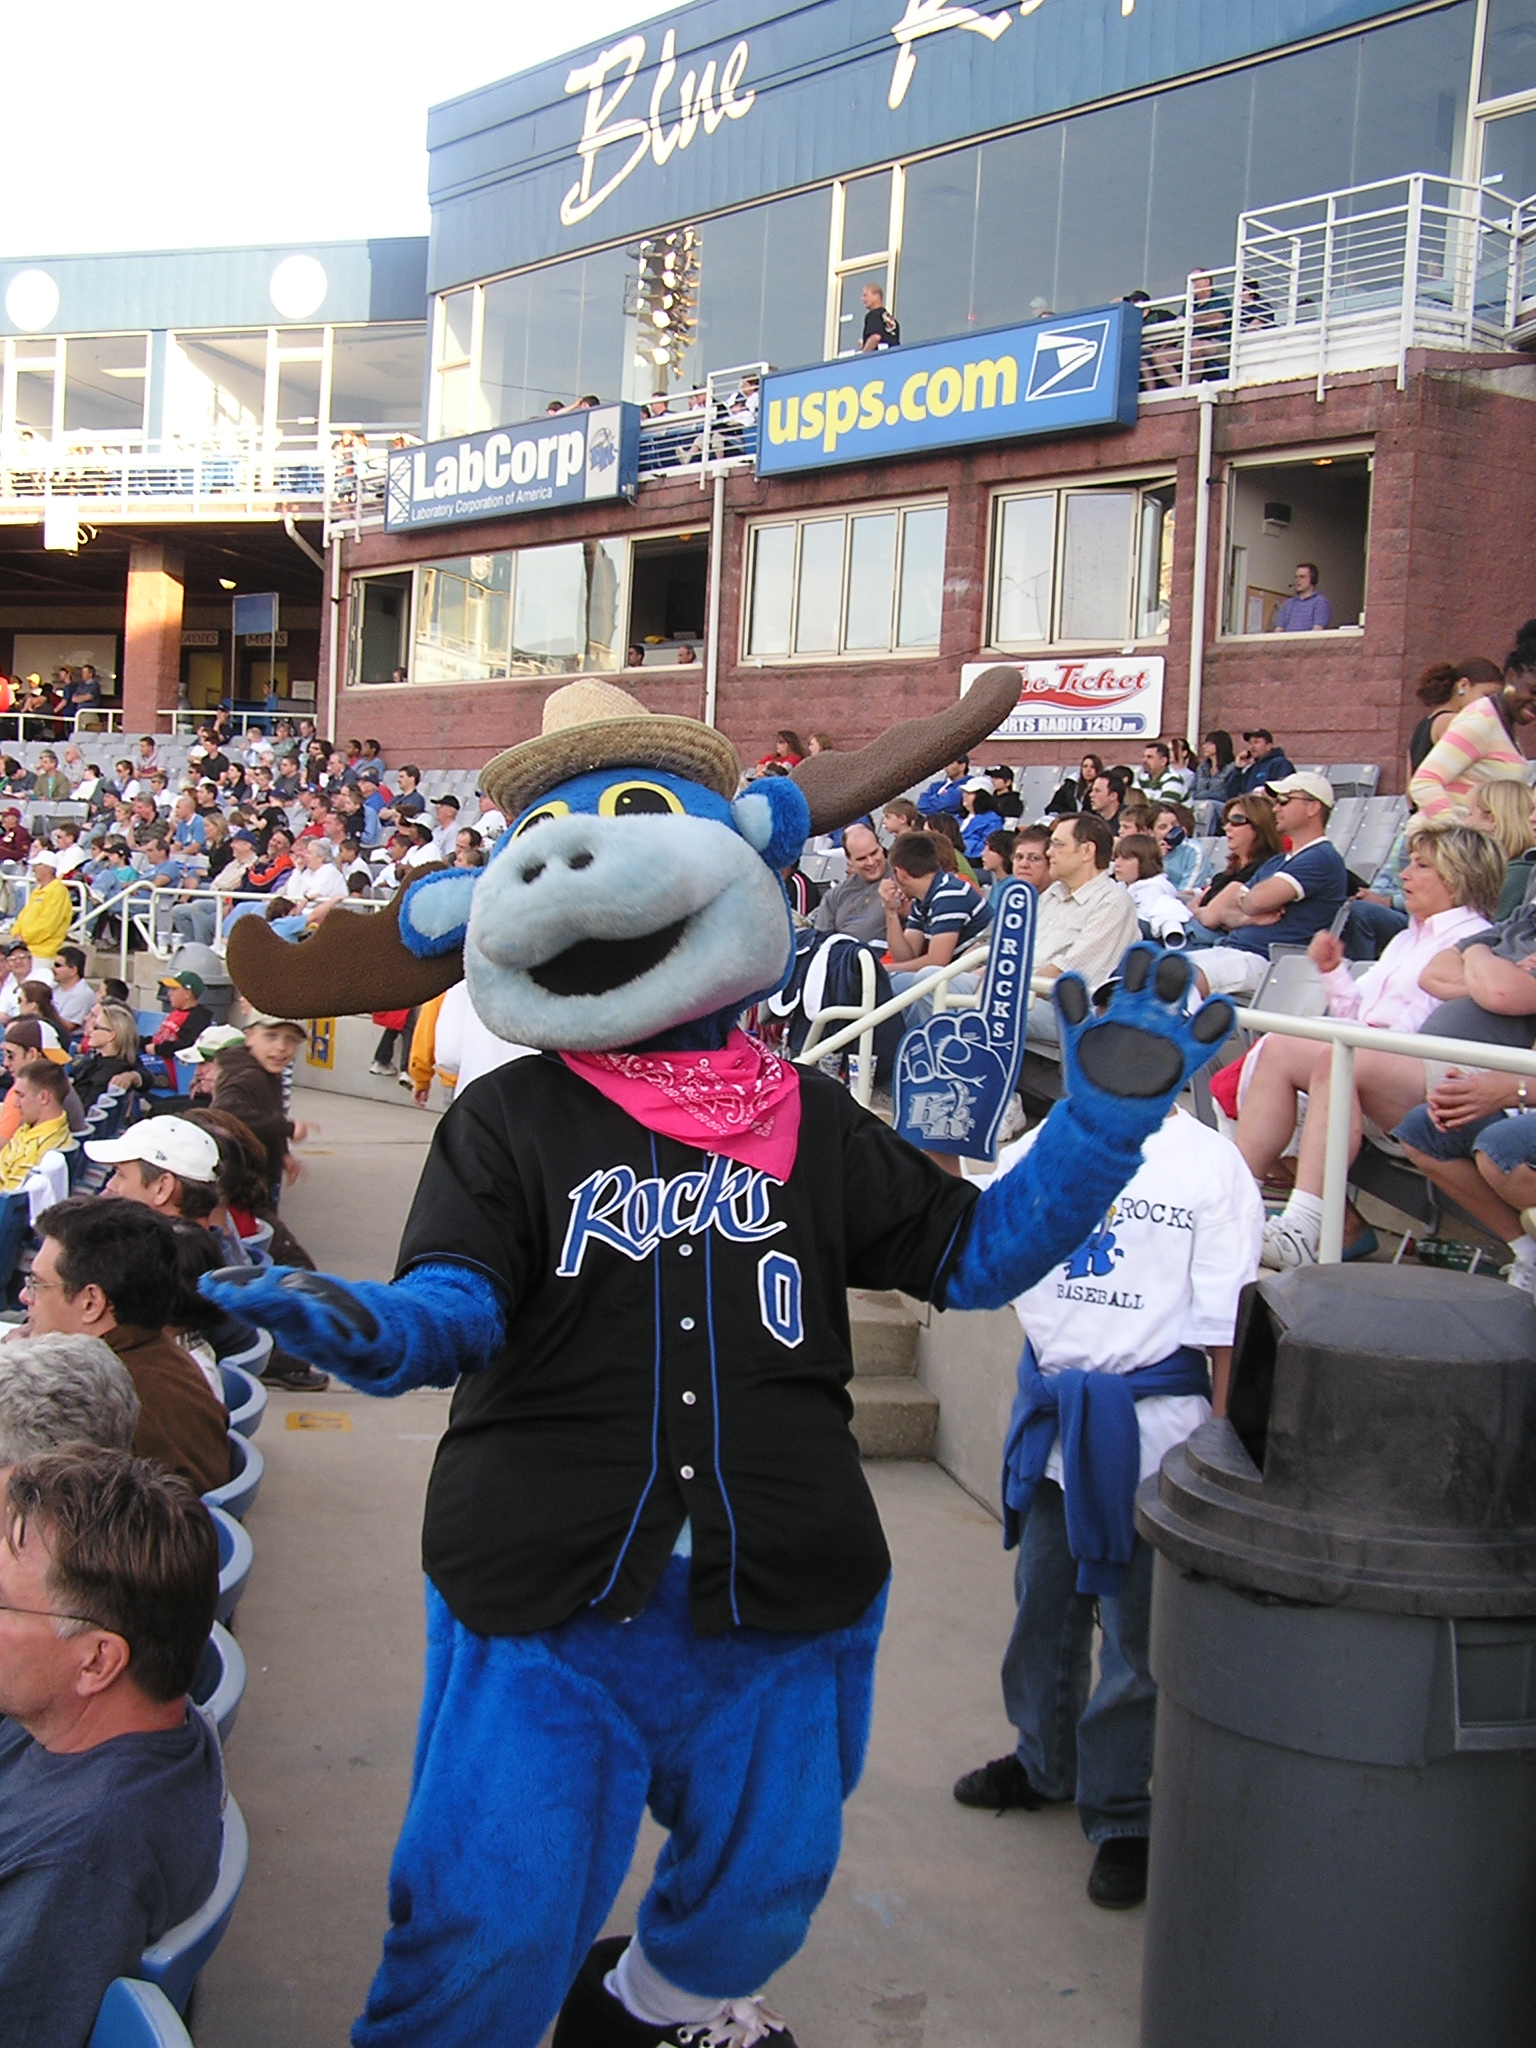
{"points": [[191, 288], [504, 158]]}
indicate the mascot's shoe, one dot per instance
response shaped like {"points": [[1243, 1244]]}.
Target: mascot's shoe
{"points": [[592, 2017]]}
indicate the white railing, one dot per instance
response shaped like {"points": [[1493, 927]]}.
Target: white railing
{"points": [[695, 432], [1344, 1037], [1350, 280], [172, 479], [56, 725]]}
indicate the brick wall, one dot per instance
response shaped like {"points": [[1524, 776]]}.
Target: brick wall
{"points": [[1452, 544]]}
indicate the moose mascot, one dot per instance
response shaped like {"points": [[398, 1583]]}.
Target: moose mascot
{"points": [[655, 1575]]}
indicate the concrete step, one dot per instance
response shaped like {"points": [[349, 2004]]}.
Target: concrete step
{"points": [[884, 1331], [894, 1417]]}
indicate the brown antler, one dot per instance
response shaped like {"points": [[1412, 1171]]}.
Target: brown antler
{"points": [[842, 787], [353, 963]]}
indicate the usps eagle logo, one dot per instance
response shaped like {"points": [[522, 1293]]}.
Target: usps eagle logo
{"points": [[1067, 360]]}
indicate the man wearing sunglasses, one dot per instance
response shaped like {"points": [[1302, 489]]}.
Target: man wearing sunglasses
{"points": [[110, 1781], [1294, 895]]}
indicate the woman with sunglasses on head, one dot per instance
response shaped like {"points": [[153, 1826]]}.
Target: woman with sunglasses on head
{"points": [[1486, 740]]}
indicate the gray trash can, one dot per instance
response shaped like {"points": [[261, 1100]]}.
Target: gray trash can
{"points": [[1344, 1639]]}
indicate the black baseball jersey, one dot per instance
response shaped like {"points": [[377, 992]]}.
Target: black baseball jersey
{"points": [[677, 1349]]}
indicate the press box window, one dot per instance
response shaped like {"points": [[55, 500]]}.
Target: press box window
{"points": [[381, 616], [1281, 514], [1082, 565], [856, 583]]}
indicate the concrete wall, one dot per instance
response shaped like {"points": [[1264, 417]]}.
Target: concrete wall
{"points": [[970, 1361]]}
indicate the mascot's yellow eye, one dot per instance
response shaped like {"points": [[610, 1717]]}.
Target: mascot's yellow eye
{"points": [[542, 816], [636, 800]]}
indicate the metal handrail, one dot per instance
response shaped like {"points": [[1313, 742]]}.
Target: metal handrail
{"points": [[1345, 1038]]}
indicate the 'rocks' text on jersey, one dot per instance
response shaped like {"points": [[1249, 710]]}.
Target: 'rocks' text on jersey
{"points": [[613, 1206]]}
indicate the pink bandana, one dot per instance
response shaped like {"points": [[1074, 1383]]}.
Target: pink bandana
{"points": [[741, 1101]]}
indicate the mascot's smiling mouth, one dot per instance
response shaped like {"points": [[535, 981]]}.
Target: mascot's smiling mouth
{"points": [[594, 966]]}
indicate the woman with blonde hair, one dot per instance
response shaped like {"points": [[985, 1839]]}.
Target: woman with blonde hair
{"points": [[1507, 813], [1451, 886]]}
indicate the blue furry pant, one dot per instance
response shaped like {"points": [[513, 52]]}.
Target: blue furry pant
{"points": [[535, 1761]]}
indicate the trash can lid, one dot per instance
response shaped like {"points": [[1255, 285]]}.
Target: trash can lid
{"points": [[1379, 1449]]}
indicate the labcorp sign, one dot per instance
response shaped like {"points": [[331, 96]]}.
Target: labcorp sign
{"points": [[1048, 377], [572, 458], [1096, 697]]}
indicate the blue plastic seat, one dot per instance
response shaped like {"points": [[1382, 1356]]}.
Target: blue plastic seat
{"points": [[179, 1955], [137, 2015], [218, 1685], [244, 1395], [237, 1553], [237, 1496]]}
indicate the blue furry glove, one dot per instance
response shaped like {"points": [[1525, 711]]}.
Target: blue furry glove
{"points": [[422, 1330], [1123, 1072]]}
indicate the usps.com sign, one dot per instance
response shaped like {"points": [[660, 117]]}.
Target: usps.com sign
{"points": [[1094, 697]]}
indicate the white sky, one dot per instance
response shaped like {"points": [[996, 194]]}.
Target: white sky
{"points": [[184, 123]]}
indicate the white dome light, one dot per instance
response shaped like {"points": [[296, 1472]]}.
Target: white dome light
{"points": [[298, 287], [31, 300]]}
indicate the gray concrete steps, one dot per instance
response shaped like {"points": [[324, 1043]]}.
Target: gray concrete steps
{"points": [[894, 1414]]}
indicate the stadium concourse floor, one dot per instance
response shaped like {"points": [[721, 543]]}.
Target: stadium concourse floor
{"points": [[944, 1928]]}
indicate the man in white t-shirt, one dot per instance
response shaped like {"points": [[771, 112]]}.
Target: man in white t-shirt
{"points": [[316, 886], [1148, 1298]]}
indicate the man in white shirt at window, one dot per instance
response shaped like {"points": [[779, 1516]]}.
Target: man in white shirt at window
{"points": [[1086, 918]]}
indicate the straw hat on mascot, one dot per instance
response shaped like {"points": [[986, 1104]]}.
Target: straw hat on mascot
{"points": [[655, 1575]]}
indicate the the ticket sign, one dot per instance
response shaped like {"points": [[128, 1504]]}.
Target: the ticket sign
{"points": [[1048, 377], [1090, 697], [568, 458]]}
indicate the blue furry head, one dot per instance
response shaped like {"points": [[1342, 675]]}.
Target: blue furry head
{"points": [[621, 904]]}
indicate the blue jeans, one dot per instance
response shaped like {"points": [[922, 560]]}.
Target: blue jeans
{"points": [[1095, 1748]]}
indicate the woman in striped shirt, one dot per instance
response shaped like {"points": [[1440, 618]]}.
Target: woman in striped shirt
{"points": [[1482, 742]]}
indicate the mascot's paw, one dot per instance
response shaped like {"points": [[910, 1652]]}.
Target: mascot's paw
{"points": [[309, 1313], [1124, 1068]]}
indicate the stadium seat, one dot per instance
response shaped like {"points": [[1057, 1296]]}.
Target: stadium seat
{"points": [[1354, 778], [137, 2015], [218, 1686], [177, 1957], [237, 1496], [244, 1395], [236, 1555]]}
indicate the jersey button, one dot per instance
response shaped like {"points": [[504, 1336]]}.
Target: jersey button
{"points": [[686, 1323], [689, 1399], [686, 1471], [685, 1251]]}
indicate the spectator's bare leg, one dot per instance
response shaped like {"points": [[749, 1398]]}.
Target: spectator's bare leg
{"points": [[1268, 1116], [1386, 1085], [1463, 1181]]}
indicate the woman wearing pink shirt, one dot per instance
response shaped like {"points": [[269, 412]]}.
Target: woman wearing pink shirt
{"points": [[1450, 887]]}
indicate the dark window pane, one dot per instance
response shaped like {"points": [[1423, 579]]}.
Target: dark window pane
{"points": [[935, 282], [1303, 124], [1509, 57], [1102, 249], [1016, 226], [866, 215], [555, 333], [1199, 179], [763, 283], [1510, 146], [1412, 98]]}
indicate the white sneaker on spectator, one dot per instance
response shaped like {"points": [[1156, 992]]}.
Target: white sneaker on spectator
{"points": [[1014, 1124], [384, 1070], [1285, 1246], [1522, 1274]]}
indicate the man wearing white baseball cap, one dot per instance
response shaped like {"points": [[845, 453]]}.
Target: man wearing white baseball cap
{"points": [[165, 1163], [1293, 896]]}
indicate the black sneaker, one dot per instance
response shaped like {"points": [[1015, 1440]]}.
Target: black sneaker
{"points": [[295, 1377], [998, 1785], [592, 2017], [1119, 1874]]}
